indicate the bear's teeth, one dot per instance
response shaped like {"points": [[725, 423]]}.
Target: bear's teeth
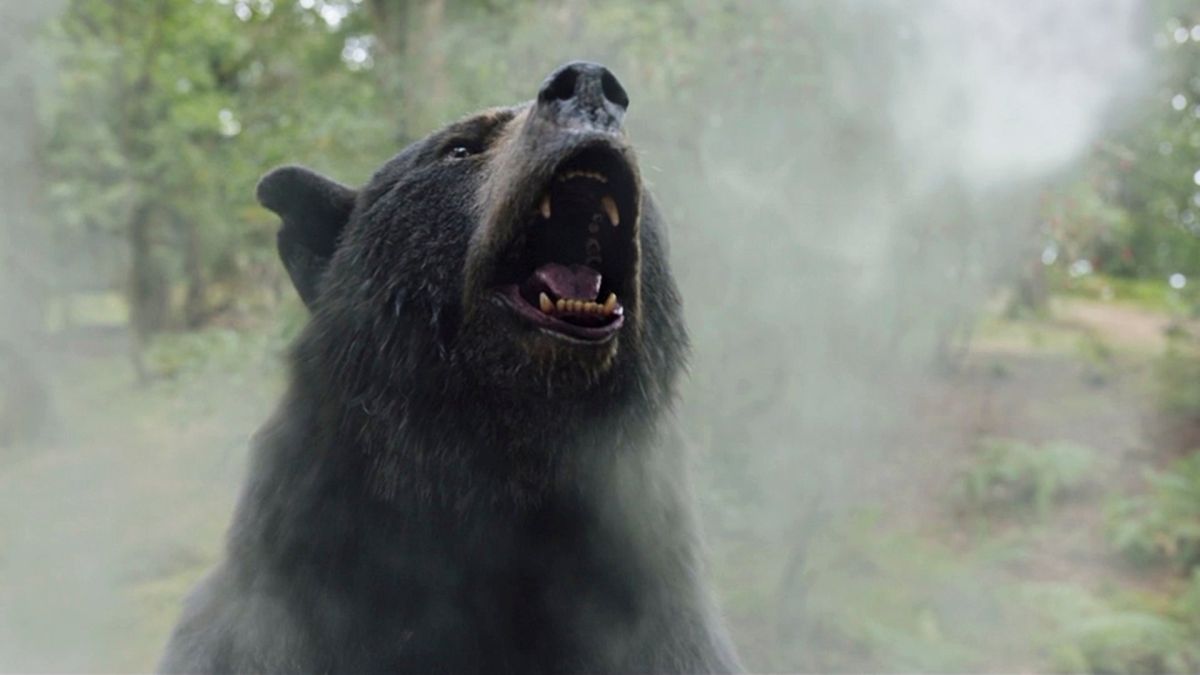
{"points": [[577, 306], [610, 208], [545, 207]]}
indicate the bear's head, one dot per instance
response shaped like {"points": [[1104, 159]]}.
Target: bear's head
{"points": [[512, 255]]}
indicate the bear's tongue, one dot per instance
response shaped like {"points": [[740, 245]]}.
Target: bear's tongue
{"points": [[563, 281]]}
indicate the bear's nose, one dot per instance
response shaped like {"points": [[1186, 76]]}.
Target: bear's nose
{"points": [[586, 91]]}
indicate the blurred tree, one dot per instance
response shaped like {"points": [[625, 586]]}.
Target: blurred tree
{"points": [[24, 246], [1135, 209], [166, 114]]}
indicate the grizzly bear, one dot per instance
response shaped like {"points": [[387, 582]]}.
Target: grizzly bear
{"points": [[473, 468]]}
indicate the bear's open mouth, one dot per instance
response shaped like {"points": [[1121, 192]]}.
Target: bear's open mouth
{"points": [[576, 257]]}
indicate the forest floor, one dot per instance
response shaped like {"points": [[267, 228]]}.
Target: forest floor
{"points": [[105, 526]]}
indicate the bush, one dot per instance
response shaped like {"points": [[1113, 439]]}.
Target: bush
{"points": [[1178, 378], [1164, 525], [870, 598], [1086, 633], [1018, 476]]}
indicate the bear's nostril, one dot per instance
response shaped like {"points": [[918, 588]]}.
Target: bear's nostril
{"points": [[613, 91], [562, 87]]}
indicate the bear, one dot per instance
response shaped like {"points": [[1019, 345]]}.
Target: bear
{"points": [[473, 467]]}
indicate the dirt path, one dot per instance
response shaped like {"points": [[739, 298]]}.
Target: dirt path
{"points": [[1119, 323]]}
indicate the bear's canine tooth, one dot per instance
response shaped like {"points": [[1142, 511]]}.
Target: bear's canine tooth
{"points": [[545, 206], [610, 208], [545, 304], [611, 303]]}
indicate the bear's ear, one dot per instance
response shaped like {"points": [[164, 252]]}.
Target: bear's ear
{"points": [[314, 210]]}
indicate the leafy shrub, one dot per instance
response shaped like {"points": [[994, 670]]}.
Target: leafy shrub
{"points": [[1188, 603], [1086, 633], [176, 354], [1163, 525], [1178, 378], [869, 598], [1012, 474]]}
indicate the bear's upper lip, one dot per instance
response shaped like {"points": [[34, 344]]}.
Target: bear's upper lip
{"points": [[572, 265]]}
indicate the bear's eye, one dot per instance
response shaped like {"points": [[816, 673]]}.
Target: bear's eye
{"points": [[462, 149]]}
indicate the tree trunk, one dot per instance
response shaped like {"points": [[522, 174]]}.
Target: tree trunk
{"points": [[392, 21], [195, 307], [148, 283], [147, 287], [1031, 296]]}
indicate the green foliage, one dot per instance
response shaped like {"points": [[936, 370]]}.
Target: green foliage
{"points": [[1152, 293], [1162, 525], [1177, 378], [175, 355], [173, 109], [1013, 475], [1135, 209], [1187, 605], [1085, 633], [873, 599]]}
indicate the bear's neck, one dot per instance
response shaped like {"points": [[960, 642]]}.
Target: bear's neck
{"points": [[377, 517], [415, 460]]}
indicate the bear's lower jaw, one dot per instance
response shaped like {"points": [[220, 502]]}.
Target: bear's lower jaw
{"points": [[565, 301], [559, 326]]}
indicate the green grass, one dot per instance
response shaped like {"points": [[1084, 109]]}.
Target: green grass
{"points": [[1153, 294], [1027, 335]]}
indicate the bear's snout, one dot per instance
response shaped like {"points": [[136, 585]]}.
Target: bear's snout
{"points": [[582, 94]]}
